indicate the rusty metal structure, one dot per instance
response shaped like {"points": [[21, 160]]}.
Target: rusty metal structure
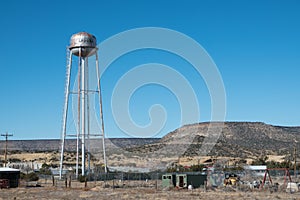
{"points": [[83, 45], [267, 174]]}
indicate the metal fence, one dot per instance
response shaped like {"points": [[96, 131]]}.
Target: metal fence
{"points": [[105, 180]]}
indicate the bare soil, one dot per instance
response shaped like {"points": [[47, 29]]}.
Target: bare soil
{"points": [[99, 192]]}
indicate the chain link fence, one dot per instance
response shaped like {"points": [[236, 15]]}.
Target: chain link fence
{"points": [[105, 180]]}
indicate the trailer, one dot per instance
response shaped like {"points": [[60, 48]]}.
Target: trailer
{"points": [[184, 179], [169, 180]]}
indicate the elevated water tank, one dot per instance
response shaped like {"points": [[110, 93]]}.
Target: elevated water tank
{"points": [[83, 44]]}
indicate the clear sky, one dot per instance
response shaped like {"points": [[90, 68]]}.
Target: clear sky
{"points": [[254, 44]]}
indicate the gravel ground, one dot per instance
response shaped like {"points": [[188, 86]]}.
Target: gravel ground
{"points": [[134, 193]]}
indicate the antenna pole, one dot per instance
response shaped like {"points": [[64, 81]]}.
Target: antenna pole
{"points": [[6, 135]]}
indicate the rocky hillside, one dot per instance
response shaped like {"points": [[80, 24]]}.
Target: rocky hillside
{"points": [[230, 139], [236, 139], [241, 139]]}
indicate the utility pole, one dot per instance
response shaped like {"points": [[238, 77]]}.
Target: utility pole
{"points": [[295, 162], [6, 135]]}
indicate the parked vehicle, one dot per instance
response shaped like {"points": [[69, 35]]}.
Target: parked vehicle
{"points": [[4, 183]]}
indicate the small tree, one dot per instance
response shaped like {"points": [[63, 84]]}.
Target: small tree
{"points": [[261, 160], [29, 177], [45, 169]]}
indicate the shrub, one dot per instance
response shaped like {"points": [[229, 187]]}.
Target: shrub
{"points": [[29, 177], [81, 178]]}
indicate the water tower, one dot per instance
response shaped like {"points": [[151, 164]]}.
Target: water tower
{"points": [[82, 45]]}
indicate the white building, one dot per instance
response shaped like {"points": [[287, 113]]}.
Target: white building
{"points": [[256, 170]]}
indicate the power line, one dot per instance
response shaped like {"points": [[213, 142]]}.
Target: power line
{"points": [[6, 135]]}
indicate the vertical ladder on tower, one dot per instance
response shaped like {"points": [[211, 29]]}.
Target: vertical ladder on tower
{"points": [[65, 109]]}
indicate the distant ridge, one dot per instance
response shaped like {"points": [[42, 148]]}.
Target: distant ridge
{"points": [[237, 139], [247, 139], [40, 145]]}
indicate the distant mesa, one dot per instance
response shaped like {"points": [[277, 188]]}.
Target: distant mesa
{"points": [[237, 139]]}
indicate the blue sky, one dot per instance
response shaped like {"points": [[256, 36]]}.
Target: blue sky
{"points": [[255, 45]]}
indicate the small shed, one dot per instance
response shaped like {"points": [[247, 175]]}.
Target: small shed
{"points": [[169, 180], [10, 174], [183, 180]]}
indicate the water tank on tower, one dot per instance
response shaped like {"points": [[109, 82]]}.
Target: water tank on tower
{"points": [[83, 44]]}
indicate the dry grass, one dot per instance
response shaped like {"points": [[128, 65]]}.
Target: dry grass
{"points": [[32, 156], [97, 191]]}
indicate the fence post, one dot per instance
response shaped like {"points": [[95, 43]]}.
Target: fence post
{"points": [[105, 176], [140, 179], [85, 181], [156, 183], [70, 180], [128, 179], [122, 179], [66, 182]]}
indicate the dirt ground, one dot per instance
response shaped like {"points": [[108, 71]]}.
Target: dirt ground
{"points": [[99, 192]]}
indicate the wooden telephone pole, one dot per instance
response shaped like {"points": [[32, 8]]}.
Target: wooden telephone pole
{"points": [[295, 162], [6, 135]]}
